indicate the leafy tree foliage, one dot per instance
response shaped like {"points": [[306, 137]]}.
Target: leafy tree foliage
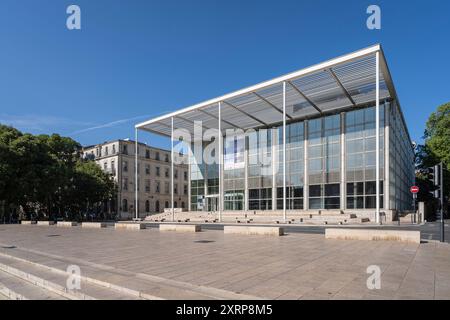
{"points": [[43, 176], [435, 150]]}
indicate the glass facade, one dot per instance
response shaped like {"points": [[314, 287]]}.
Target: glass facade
{"points": [[330, 165], [260, 170], [324, 150], [295, 137], [360, 158], [401, 162], [234, 172]]}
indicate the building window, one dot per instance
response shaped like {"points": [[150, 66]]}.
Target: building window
{"points": [[175, 174], [166, 204], [294, 166], [360, 144], [260, 199], [125, 166], [113, 167], [166, 188], [147, 185], [147, 154], [157, 206], [185, 189], [105, 166], [157, 156], [125, 183], [157, 187], [147, 169], [114, 149], [259, 169], [166, 158], [125, 205], [183, 205], [158, 173], [175, 188], [324, 152], [147, 206], [175, 204], [166, 173], [185, 175], [106, 151], [125, 149]]}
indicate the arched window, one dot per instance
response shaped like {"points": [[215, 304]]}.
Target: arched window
{"points": [[157, 206], [166, 205], [147, 206], [175, 204], [125, 205], [183, 205]]}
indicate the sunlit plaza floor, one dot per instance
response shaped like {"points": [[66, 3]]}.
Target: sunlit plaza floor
{"points": [[211, 264]]}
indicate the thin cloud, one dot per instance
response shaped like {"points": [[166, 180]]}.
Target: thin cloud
{"points": [[40, 123], [110, 124]]}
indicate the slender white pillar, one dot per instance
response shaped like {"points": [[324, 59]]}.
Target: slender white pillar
{"points": [[284, 151], [377, 138], [136, 183], [220, 153], [171, 169]]}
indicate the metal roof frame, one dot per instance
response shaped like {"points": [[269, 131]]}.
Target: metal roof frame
{"points": [[340, 83]]}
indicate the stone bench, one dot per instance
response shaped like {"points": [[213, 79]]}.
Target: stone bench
{"points": [[66, 224], [129, 226], [94, 225], [373, 235], [180, 227], [247, 230], [27, 222], [45, 223]]}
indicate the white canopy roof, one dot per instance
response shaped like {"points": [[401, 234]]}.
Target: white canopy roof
{"points": [[329, 87]]}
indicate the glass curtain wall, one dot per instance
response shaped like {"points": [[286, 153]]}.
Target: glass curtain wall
{"points": [[294, 166], [197, 184], [360, 159], [234, 172], [324, 150], [260, 170], [401, 162]]}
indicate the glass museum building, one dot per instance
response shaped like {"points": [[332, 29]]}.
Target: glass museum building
{"points": [[328, 137]]}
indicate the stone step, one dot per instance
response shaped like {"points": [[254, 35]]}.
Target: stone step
{"points": [[13, 288], [137, 285], [56, 282]]}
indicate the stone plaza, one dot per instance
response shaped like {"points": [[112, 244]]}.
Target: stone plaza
{"points": [[149, 264]]}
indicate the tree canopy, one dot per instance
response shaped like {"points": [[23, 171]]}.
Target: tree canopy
{"points": [[436, 149], [44, 176]]}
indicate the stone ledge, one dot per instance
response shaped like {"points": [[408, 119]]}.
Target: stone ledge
{"points": [[248, 230], [180, 227], [45, 223], [66, 224], [96, 225], [373, 235], [129, 226], [28, 222]]}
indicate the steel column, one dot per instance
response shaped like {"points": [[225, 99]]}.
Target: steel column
{"points": [[284, 151], [377, 138], [171, 168], [136, 183]]}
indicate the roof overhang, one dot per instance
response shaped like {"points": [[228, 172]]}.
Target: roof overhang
{"points": [[342, 83]]}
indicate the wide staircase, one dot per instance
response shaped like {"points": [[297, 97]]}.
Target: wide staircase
{"points": [[325, 217], [27, 274]]}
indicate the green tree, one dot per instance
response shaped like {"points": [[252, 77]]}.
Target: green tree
{"points": [[45, 177], [435, 150]]}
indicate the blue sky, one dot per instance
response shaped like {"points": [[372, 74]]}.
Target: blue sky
{"points": [[135, 59]]}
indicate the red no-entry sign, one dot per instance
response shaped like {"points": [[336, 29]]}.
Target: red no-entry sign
{"points": [[414, 189]]}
